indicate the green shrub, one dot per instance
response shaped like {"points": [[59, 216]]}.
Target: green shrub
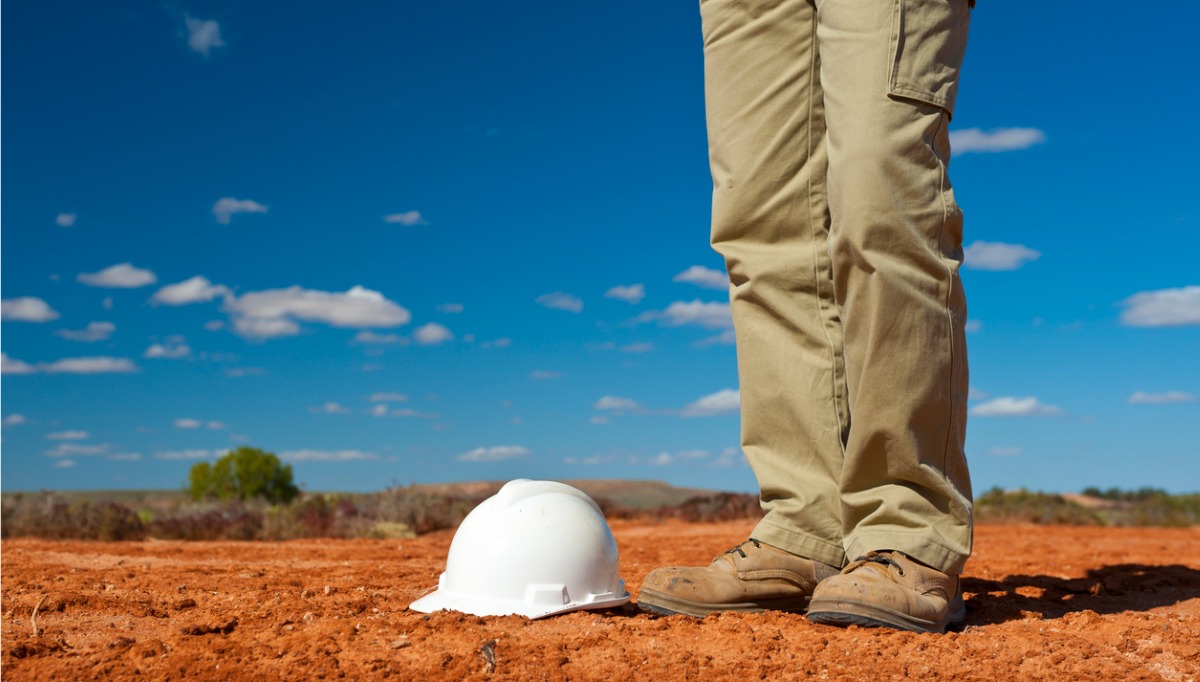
{"points": [[243, 474]]}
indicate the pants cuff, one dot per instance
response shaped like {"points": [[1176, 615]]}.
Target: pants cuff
{"points": [[800, 544], [916, 544]]}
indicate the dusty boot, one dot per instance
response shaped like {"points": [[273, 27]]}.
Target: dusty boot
{"points": [[888, 589], [751, 577]]}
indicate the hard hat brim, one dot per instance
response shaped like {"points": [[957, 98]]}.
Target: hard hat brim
{"points": [[443, 600]]}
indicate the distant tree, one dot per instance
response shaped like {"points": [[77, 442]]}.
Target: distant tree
{"points": [[244, 474]]}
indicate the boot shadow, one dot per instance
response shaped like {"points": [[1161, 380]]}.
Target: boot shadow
{"points": [[1110, 589]]}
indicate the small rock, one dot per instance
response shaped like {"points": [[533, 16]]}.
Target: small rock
{"points": [[399, 643], [329, 590]]}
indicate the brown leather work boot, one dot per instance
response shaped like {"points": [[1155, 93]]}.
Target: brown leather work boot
{"points": [[888, 589], [749, 578]]}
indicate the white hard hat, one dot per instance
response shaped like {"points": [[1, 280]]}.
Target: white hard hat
{"points": [[535, 548]]}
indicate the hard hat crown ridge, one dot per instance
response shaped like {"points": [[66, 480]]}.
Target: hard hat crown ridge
{"points": [[535, 548]]}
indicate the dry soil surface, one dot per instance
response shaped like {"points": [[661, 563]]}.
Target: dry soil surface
{"points": [[1043, 603]]}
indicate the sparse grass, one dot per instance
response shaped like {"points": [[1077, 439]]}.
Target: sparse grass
{"points": [[400, 512]]}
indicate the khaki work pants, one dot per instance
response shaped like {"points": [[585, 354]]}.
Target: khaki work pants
{"points": [[827, 124]]}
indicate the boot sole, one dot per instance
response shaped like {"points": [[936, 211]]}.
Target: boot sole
{"points": [[662, 604], [842, 613]]}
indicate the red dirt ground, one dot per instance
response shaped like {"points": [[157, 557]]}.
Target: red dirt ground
{"points": [[1044, 603]]}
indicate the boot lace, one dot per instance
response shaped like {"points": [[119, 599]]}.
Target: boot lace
{"points": [[880, 558], [741, 551]]}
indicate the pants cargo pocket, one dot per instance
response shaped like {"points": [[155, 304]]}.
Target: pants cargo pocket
{"points": [[929, 39]]}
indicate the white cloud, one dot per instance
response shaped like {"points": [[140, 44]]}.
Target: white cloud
{"points": [[107, 303], [1015, 407], [450, 308], [76, 449], [326, 455], [14, 366], [379, 410], [330, 408], [264, 328], [375, 338], [543, 374], [407, 218], [710, 315], [65, 219], [195, 290], [171, 350], [214, 325], [703, 277], [120, 276], [203, 35], [494, 453], [976, 393], [189, 454], [498, 343], [1141, 398], [238, 372], [186, 423], [633, 293], [996, 140], [997, 256], [382, 410], [972, 326], [616, 403], [1163, 308], [88, 365], [95, 331], [559, 300], [15, 420], [432, 334], [64, 464], [67, 435], [1004, 451], [640, 347], [227, 207], [387, 398], [725, 338], [215, 425], [722, 402], [125, 456], [274, 312], [27, 309], [598, 419]]}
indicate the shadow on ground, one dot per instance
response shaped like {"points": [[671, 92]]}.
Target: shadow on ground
{"points": [[1110, 589]]}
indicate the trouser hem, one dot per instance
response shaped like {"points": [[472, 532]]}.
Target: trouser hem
{"points": [[800, 543], [915, 543]]}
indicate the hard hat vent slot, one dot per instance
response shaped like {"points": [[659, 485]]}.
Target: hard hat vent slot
{"points": [[547, 595]]}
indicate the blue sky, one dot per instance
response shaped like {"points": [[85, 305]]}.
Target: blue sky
{"points": [[402, 242]]}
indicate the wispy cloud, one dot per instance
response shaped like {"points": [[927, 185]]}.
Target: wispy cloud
{"points": [[67, 435], [559, 300], [639, 347], [203, 35], [997, 256], [65, 219], [330, 408], [190, 454], [996, 140], [326, 455], [27, 309], [77, 450], [1163, 308], [706, 314], [172, 349], [1015, 407], [387, 398], [226, 207], [407, 219], [15, 419], [95, 331], [494, 453], [375, 338], [631, 293], [432, 334], [1166, 398], [195, 290], [186, 423], [703, 277], [120, 276], [1004, 451], [544, 374], [450, 308], [86, 365], [616, 404], [274, 312], [726, 401]]}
